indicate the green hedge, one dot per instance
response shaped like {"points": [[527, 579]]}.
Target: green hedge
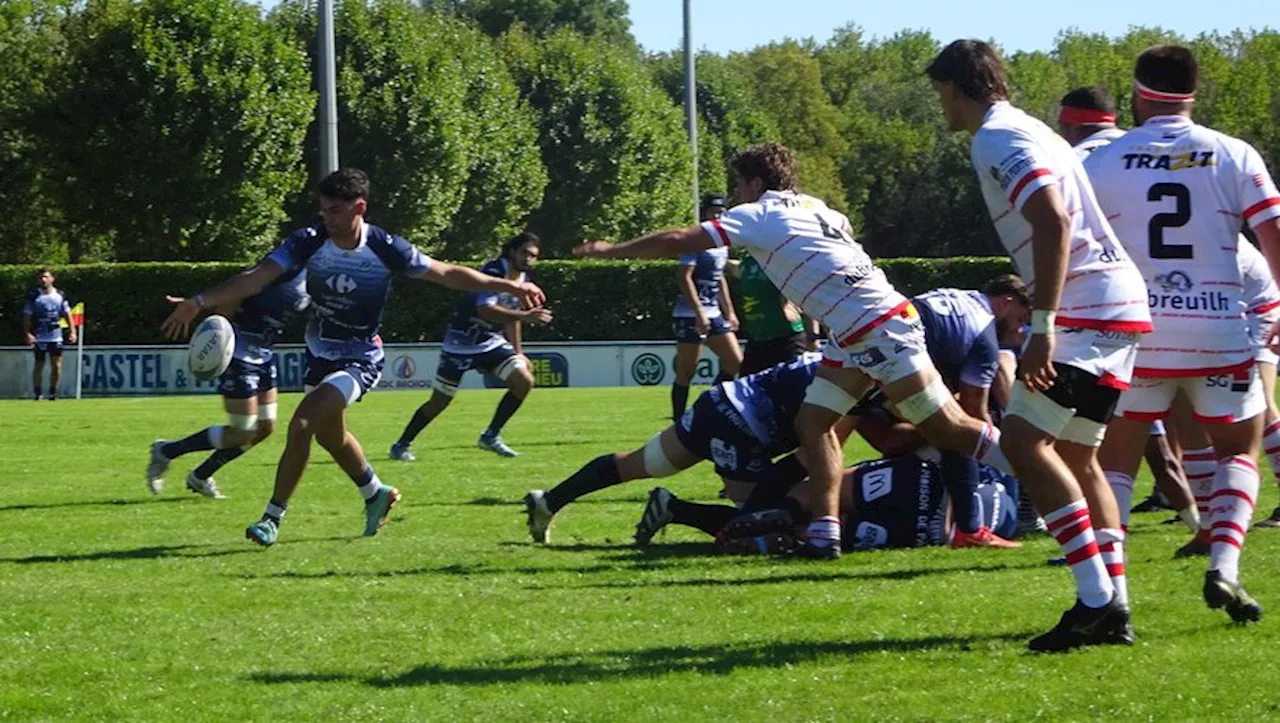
{"points": [[592, 300]]}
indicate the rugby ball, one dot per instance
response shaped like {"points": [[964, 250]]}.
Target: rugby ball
{"points": [[212, 344]]}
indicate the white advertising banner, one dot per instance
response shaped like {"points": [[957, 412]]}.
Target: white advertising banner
{"points": [[157, 370]]}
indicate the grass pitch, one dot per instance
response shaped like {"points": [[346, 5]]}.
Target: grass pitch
{"points": [[118, 605]]}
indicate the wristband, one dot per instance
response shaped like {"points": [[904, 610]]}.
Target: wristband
{"points": [[1043, 321]]}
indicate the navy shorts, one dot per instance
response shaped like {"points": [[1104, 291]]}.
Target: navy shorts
{"points": [[453, 365], [999, 509], [51, 348], [246, 380], [365, 373], [687, 333], [713, 430]]}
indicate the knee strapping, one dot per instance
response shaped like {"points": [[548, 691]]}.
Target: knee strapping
{"points": [[925, 403], [656, 463], [828, 395]]}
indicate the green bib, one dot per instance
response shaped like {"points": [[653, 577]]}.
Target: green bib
{"points": [[762, 316]]}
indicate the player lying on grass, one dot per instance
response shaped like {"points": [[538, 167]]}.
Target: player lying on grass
{"points": [[742, 426], [349, 265], [248, 387], [892, 502]]}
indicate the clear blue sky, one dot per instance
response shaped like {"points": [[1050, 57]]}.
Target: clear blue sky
{"points": [[726, 25]]}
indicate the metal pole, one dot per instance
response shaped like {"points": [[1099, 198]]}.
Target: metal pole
{"points": [[691, 101], [328, 86]]}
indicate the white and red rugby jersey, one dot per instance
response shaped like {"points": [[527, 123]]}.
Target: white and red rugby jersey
{"points": [[1096, 141], [1016, 155], [808, 251], [1176, 193]]}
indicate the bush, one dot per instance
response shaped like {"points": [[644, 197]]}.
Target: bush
{"points": [[592, 300]]}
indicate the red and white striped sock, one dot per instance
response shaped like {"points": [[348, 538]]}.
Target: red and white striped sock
{"points": [[1235, 487], [824, 532], [1122, 488], [1071, 527], [1111, 546], [1271, 444], [1200, 465], [988, 450]]}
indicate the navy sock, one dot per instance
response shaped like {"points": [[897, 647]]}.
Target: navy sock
{"points": [[708, 518], [507, 407], [960, 477], [198, 442], [595, 475], [216, 461], [415, 426], [679, 400]]}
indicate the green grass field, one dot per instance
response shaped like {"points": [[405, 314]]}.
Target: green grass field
{"points": [[118, 605]]}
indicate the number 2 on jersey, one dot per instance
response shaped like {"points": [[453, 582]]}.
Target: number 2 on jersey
{"points": [[1181, 214]]}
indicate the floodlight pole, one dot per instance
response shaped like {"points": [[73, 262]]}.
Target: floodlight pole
{"points": [[328, 86], [691, 102]]}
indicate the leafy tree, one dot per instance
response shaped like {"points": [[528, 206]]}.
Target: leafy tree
{"points": [[606, 20], [612, 142], [177, 127]]}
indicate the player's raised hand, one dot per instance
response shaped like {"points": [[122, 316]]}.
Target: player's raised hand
{"points": [[178, 324], [1035, 369], [592, 249], [539, 315]]}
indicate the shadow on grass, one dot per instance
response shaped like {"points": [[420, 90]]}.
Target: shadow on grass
{"points": [[154, 552], [592, 667], [96, 503]]}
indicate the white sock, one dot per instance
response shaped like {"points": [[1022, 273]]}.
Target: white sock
{"points": [[1235, 488], [1072, 528], [1200, 466], [1111, 547], [1122, 488], [824, 532]]}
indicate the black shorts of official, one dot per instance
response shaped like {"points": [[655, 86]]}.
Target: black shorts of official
{"points": [[761, 355], [714, 431], [1082, 391], [49, 348]]}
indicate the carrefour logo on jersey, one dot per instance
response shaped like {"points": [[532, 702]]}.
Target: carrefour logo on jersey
{"points": [[1175, 293], [341, 283]]}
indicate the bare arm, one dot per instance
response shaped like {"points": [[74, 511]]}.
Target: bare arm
{"points": [[726, 304], [1268, 233], [232, 291], [973, 400], [663, 244], [72, 333], [1050, 244], [512, 318], [29, 337], [514, 336], [684, 282], [1002, 385]]}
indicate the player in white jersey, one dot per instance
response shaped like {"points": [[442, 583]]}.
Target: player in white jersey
{"points": [[1087, 119], [1178, 193], [808, 251], [1089, 311], [1262, 312]]}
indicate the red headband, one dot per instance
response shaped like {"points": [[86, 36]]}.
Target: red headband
{"points": [[1160, 96], [1069, 116]]}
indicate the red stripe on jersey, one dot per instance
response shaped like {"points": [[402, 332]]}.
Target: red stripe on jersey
{"points": [[799, 266], [1261, 205], [1111, 380], [1132, 327], [1154, 373], [831, 363], [1017, 187], [1021, 245], [904, 309], [715, 223], [780, 247], [1265, 307]]}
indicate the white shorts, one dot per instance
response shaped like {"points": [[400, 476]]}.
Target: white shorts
{"points": [[893, 350], [1217, 399], [1108, 355], [1259, 331]]}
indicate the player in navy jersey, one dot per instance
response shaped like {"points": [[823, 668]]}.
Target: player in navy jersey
{"points": [[484, 334], [741, 426], [248, 386], [42, 311], [703, 313], [886, 503], [349, 265]]}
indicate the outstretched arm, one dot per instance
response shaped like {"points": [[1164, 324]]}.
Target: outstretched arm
{"points": [[461, 278], [232, 291], [663, 244]]}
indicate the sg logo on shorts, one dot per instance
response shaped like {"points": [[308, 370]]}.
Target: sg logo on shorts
{"points": [[648, 370], [876, 484], [725, 456], [868, 358]]}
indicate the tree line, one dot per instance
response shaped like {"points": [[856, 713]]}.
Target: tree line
{"points": [[183, 130]]}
